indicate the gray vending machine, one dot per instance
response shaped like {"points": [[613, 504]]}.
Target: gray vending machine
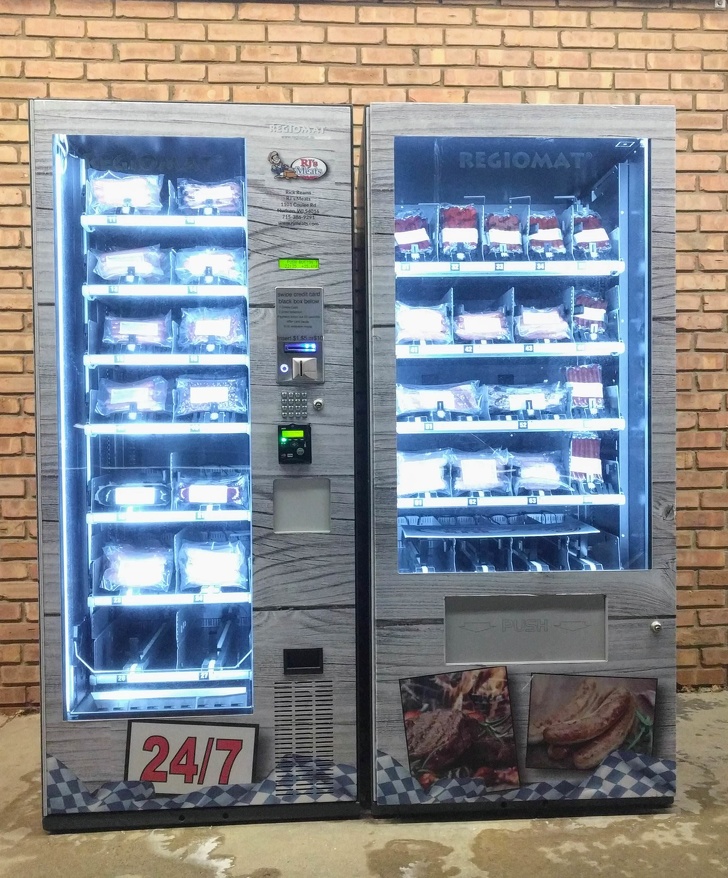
{"points": [[192, 273], [522, 362]]}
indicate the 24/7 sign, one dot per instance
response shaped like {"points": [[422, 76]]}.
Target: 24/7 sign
{"points": [[180, 757]]}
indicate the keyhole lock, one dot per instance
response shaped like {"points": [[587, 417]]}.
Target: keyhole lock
{"points": [[318, 404], [656, 626]]}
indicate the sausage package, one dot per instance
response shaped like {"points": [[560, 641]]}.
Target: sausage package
{"points": [[503, 239], [147, 396], [229, 489], [198, 395], [145, 264], [587, 389], [545, 238], [143, 331], [541, 324], [532, 399], [215, 564], [412, 237], [212, 327], [422, 324], [459, 230], [585, 458], [539, 472], [590, 315], [462, 399], [591, 240], [210, 265], [487, 471], [482, 326], [210, 199], [426, 473], [110, 192], [128, 567]]}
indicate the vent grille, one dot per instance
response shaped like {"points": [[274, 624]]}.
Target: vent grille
{"points": [[304, 729]]}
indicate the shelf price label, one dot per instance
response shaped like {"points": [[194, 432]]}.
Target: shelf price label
{"points": [[180, 757]]}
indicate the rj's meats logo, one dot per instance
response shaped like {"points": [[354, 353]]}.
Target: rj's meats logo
{"points": [[497, 161], [305, 168]]}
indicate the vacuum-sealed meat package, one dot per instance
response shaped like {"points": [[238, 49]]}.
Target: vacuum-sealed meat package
{"points": [[210, 265], [539, 472], [213, 327], [591, 240], [129, 397], [149, 495], [461, 399], [222, 489], [146, 264], [585, 459], [215, 564], [541, 324], [111, 192], [210, 199], [481, 471], [459, 234], [148, 568], [422, 324], [513, 399], [412, 234], [590, 314], [196, 395], [503, 239], [132, 331], [587, 389], [425, 473], [482, 326], [545, 238]]}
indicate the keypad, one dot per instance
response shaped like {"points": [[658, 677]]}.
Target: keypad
{"points": [[294, 405]]}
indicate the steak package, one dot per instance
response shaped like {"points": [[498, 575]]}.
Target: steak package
{"points": [[225, 488], [539, 472], [127, 567], [422, 324], [461, 399], [503, 239], [425, 473], [534, 398], [214, 564], [545, 238], [212, 327], [482, 326], [197, 395], [412, 234], [459, 235], [541, 324], [587, 389], [133, 331], [209, 199], [147, 396], [147, 264], [210, 265], [110, 192], [591, 240], [481, 471]]}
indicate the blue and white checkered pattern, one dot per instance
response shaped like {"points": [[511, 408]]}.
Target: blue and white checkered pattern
{"points": [[622, 775]]}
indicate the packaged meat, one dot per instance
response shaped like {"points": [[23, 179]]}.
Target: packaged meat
{"points": [[585, 458], [503, 239], [215, 564], [148, 568], [132, 331], [212, 327], [482, 326], [196, 395], [461, 399], [539, 472], [129, 397], [590, 314], [459, 235], [209, 199], [506, 399], [541, 324], [585, 383], [222, 489], [422, 324], [110, 192], [591, 240], [210, 265], [412, 234], [545, 238], [426, 473], [147, 264], [481, 471], [150, 495]]}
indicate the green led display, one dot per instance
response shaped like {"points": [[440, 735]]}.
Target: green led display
{"points": [[300, 264], [292, 434]]}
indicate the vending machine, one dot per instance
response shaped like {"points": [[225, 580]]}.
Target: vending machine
{"points": [[521, 299], [192, 271]]}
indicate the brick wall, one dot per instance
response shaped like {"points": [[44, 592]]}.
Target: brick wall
{"points": [[534, 51]]}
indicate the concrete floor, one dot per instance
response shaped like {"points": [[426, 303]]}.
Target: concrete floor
{"points": [[691, 839]]}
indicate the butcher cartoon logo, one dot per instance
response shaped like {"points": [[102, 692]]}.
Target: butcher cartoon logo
{"points": [[305, 168]]}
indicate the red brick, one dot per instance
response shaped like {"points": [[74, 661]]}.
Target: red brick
{"points": [[701, 637], [715, 655], [714, 616], [701, 677], [701, 598], [713, 578]]}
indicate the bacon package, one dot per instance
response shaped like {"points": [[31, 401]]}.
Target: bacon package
{"points": [[539, 472], [223, 489], [481, 471], [426, 473], [461, 399], [128, 567], [147, 264], [210, 395], [585, 458], [412, 234], [482, 326], [132, 331], [212, 327], [129, 397], [210, 265], [591, 240], [109, 192], [590, 314], [587, 389], [545, 238], [208, 199], [214, 564], [541, 324], [503, 239], [510, 399], [459, 235], [153, 495], [422, 324]]}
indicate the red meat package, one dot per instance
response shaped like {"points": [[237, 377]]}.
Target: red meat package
{"points": [[590, 314], [212, 327], [591, 240], [214, 564], [223, 489], [545, 238], [541, 324], [513, 399], [481, 471], [210, 395], [482, 326], [147, 396], [225, 197], [458, 230], [110, 192], [585, 457], [128, 567], [149, 264], [210, 265], [423, 473], [133, 331], [462, 399], [503, 238], [412, 234], [587, 390], [539, 472], [421, 324]]}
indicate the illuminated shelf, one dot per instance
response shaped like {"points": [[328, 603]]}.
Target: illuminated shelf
{"points": [[565, 268], [134, 699], [568, 527], [169, 600], [161, 291], [539, 349], [166, 516], [91, 221], [492, 502], [150, 428], [132, 677], [564, 425], [134, 359]]}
